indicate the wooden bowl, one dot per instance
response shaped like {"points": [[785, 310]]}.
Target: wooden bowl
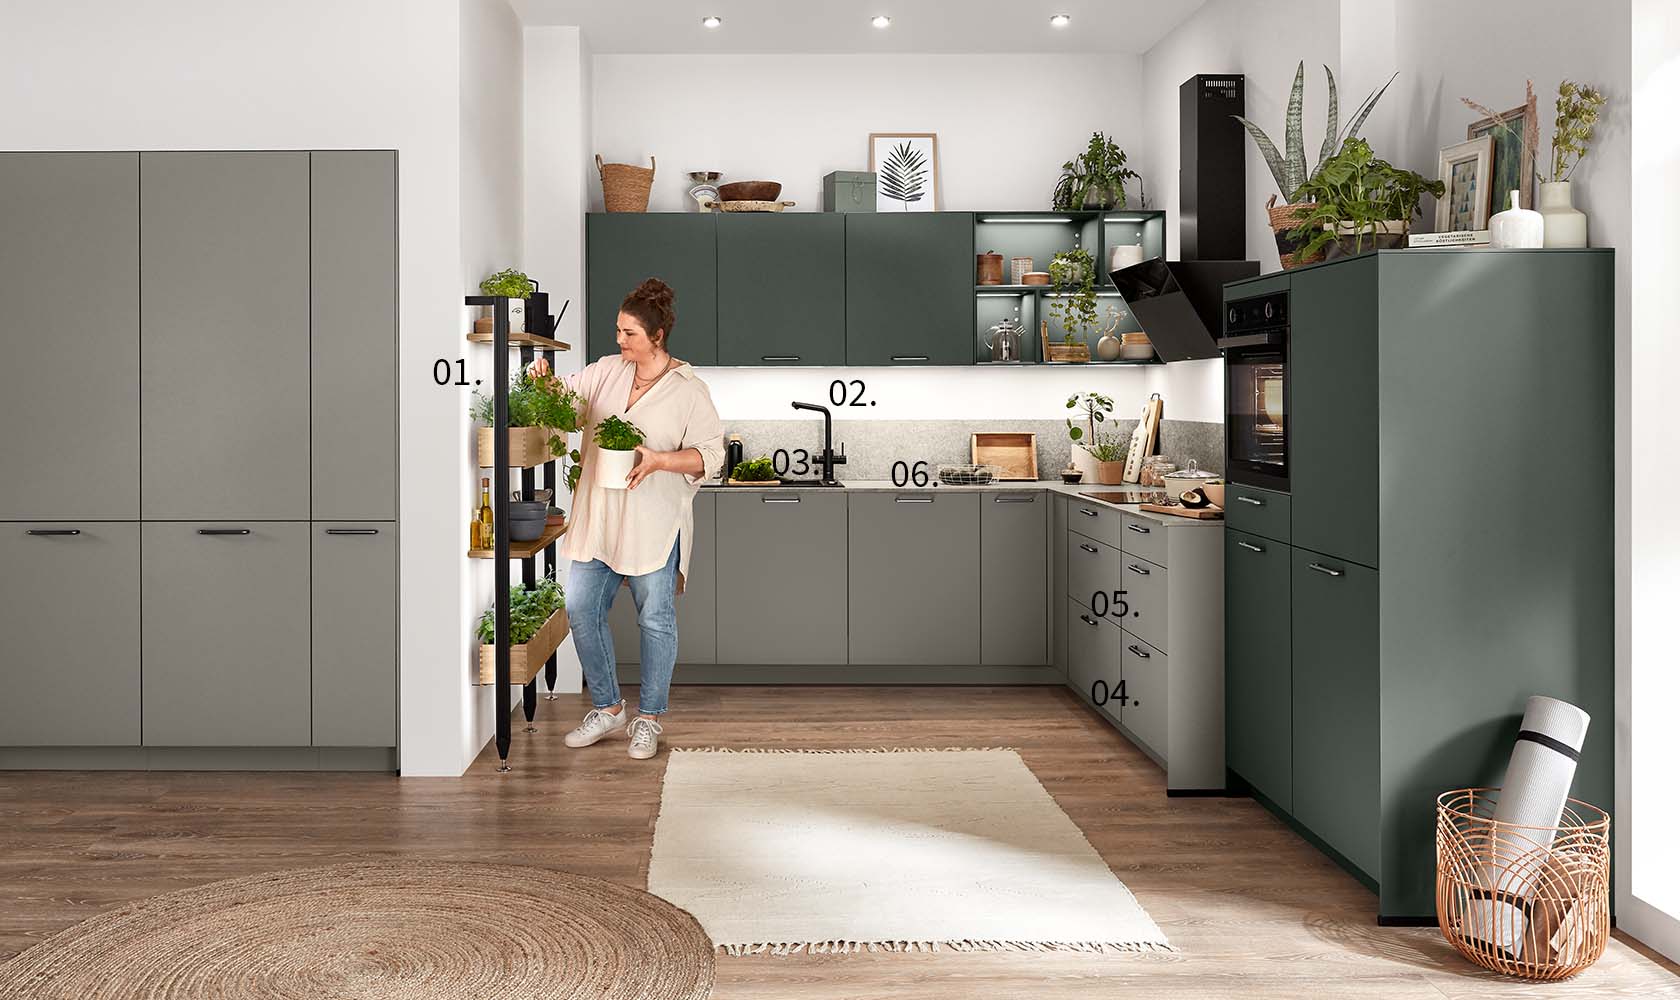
{"points": [[750, 191], [1036, 278]]}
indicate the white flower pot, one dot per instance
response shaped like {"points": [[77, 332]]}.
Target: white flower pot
{"points": [[516, 315], [612, 468], [1566, 226]]}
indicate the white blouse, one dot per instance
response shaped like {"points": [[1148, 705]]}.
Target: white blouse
{"points": [[632, 531]]}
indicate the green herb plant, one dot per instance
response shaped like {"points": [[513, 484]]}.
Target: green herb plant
{"points": [[1577, 114], [509, 282], [1095, 178], [1074, 273], [1289, 167], [527, 610], [757, 470], [617, 434], [1096, 407], [1355, 188], [536, 398], [1108, 446]]}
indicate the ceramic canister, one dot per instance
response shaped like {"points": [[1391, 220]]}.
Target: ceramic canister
{"points": [[1517, 228]]}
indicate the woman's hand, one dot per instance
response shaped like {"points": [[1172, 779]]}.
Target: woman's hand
{"points": [[687, 461]]}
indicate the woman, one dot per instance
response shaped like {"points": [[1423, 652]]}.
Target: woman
{"points": [[643, 534]]}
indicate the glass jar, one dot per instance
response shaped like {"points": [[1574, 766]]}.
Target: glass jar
{"points": [[1154, 468]]}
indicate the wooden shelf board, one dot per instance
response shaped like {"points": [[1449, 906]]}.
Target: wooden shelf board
{"points": [[521, 340], [524, 550]]}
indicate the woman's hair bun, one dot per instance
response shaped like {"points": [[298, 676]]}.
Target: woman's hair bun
{"points": [[653, 304]]}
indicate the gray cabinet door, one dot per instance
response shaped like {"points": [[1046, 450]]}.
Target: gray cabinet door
{"points": [[1094, 659], [1142, 698], [781, 577], [781, 289], [70, 614], [353, 335], [225, 621], [1014, 564], [1058, 581], [1259, 713], [910, 288], [914, 567], [224, 361], [626, 248], [70, 281], [696, 605], [353, 634]]}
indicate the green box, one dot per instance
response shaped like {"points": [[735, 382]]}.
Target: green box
{"points": [[849, 191]]}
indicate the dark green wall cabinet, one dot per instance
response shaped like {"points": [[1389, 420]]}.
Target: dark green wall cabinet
{"points": [[781, 289], [1409, 680], [909, 288], [626, 248]]}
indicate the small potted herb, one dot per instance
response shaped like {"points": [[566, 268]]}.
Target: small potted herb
{"points": [[517, 286], [1097, 407], [542, 410], [535, 626], [1108, 451], [615, 442], [758, 471], [1360, 203]]}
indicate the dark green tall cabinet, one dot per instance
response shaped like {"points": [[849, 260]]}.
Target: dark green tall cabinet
{"points": [[1389, 616], [625, 248]]}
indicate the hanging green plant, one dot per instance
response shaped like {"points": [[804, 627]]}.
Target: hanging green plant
{"points": [[1074, 274]]}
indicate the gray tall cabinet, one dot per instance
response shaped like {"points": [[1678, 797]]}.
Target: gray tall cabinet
{"points": [[200, 512]]}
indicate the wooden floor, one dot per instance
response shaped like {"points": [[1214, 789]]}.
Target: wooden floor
{"points": [[1253, 910]]}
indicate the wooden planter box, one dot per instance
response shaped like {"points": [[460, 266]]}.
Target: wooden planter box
{"points": [[526, 660], [527, 447]]}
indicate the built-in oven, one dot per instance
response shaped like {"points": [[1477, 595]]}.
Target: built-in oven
{"points": [[1256, 348]]}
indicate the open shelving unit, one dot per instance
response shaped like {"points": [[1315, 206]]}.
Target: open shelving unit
{"points": [[502, 341]]}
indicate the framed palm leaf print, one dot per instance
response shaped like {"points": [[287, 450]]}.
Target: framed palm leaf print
{"points": [[906, 165]]}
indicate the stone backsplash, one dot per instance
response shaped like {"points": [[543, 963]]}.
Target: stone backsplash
{"points": [[873, 446]]}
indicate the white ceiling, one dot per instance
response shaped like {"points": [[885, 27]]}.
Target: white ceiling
{"points": [[1001, 27]]}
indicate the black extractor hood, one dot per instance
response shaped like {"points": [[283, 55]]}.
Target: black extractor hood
{"points": [[1179, 303]]}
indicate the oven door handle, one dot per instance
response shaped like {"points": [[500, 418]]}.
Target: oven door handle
{"points": [[1264, 338]]}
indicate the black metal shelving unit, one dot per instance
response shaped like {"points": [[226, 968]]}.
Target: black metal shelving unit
{"points": [[500, 343]]}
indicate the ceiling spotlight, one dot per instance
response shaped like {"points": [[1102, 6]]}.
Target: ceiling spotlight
{"points": [[711, 20], [1059, 20], [881, 21]]}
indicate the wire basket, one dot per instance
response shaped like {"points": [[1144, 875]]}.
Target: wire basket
{"points": [[1526, 901], [969, 475]]}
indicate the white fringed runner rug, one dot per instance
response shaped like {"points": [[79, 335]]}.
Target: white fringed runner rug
{"points": [[787, 851]]}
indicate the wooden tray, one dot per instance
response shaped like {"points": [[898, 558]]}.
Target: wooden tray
{"points": [[1015, 454], [1198, 513], [752, 482], [526, 660], [527, 447]]}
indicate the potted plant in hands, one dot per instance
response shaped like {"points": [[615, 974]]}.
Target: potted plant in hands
{"points": [[1577, 113], [1096, 408], [1095, 179], [615, 455], [517, 286], [1289, 167], [1359, 202], [1074, 305]]}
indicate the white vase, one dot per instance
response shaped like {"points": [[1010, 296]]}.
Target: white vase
{"points": [[1082, 460], [1566, 226], [516, 315], [1517, 227], [612, 467]]}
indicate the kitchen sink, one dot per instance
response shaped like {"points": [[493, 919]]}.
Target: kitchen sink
{"points": [[787, 483]]}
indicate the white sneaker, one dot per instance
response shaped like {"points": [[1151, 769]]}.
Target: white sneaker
{"points": [[644, 738], [597, 726]]}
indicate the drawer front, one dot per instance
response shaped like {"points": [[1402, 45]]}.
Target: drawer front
{"points": [[1145, 585], [1093, 659], [1257, 511], [1094, 520], [1092, 568], [1143, 668], [1143, 538]]}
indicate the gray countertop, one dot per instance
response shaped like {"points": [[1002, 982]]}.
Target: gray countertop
{"points": [[1050, 485]]}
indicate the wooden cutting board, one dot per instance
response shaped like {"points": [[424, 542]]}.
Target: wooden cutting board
{"points": [[1015, 454], [1198, 513], [1143, 438]]}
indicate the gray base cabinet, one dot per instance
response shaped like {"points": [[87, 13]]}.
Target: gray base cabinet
{"points": [[1014, 565], [225, 626], [353, 634], [1058, 583], [70, 614], [1259, 722], [697, 605], [781, 577], [1094, 647], [915, 578]]}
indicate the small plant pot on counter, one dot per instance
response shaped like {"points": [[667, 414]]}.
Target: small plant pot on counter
{"points": [[1110, 473], [528, 447], [612, 468]]}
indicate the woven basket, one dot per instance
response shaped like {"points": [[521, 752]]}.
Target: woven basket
{"points": [[1531, 902], [624, 187], [1285, 218]]}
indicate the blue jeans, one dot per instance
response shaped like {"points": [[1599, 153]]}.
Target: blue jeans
{"points": [[589, 596]]}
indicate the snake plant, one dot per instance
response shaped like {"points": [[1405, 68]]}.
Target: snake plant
{"points": [[1289, 168]]}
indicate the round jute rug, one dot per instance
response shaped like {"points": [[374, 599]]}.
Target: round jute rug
{"points": [[392, 930]]}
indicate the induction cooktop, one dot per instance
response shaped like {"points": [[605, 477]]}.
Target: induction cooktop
{"points": [[1129, 495]]}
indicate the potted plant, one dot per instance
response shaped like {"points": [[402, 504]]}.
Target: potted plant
{"points": [[517, 286], [536, 625], [1359, 202], [542, 410], [1096, 408], [1108, 455], [759, 471], [1289, 167], [1073, 273], [615, 441], [1095, 179], [1577, 113]]}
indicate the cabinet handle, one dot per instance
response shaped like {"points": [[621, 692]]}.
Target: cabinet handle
{"points": [[1140, 529], [224, 531], [1250, 546], [1257, 503], [1088, 548], [1327, 571], [1013, 500], [780, 499], [1088, 512], [1138, 652], [909, 357], [912, 499], [54, 531], [1135, 568], [1088, 620], [778, 357], [352, 531]]}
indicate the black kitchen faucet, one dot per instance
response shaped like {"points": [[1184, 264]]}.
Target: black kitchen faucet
{"points": [[828, 458]]}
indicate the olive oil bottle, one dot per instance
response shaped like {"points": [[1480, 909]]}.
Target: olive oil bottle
{"points": [[484, 525]]}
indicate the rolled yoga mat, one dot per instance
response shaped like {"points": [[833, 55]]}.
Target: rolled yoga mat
{"points": [[1535, 791]]}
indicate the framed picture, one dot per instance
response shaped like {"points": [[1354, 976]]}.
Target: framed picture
{"points": [[1513, 159], [906, 165], [1466, 169]]}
